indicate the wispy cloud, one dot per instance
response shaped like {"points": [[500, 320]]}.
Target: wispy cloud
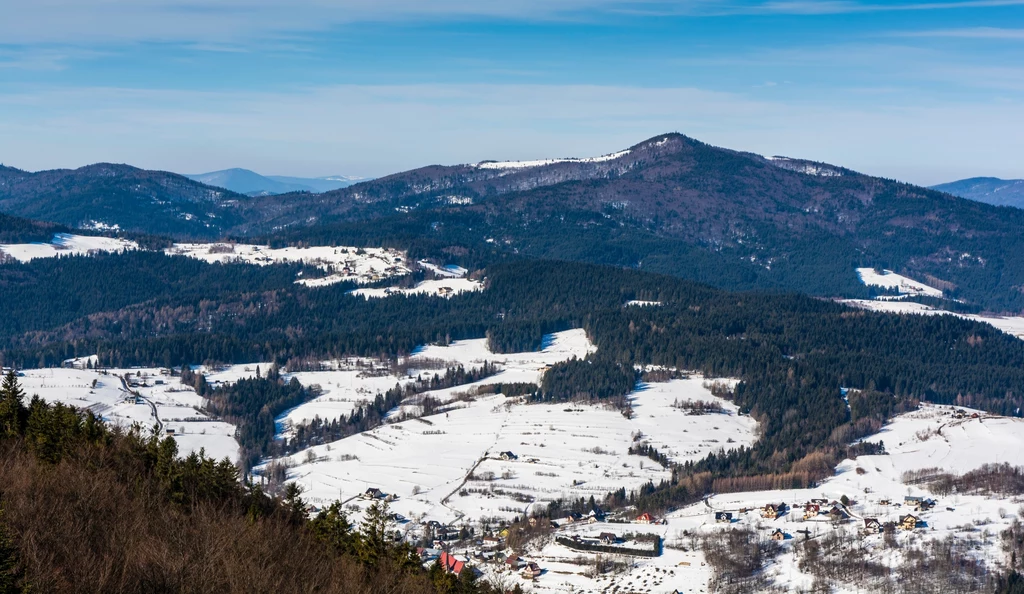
{"points": [[227, 21], [969, 33], [822, 7]]}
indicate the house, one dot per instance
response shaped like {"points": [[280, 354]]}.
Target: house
{"points": [[573, 517], [645, 518], [909, 522], [445, 291], [508, 456], [533, 522], [885, 502], [811, 510], [919, 503], [778, 535], [836, 514], [514, 562], [169, 431], [723, 517], [372, 493], [872, 526], [608, 538], [531, 571], [491, 541], [959, 414], [819, 502], [772, 510], [450, 564]]}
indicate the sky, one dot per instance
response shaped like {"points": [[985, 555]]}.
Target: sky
{"points": [[922, 91]]}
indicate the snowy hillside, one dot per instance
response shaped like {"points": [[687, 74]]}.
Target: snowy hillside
{"points": [[353, 381], [149, 397], [888, 279], [449, 466], [66, 244], [1012, 325]]}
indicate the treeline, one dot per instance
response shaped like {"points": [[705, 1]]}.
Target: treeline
{"points": [[1002, 480], [87, 508], [18, 230], [372, 414], [253, 404], [592, 378]]}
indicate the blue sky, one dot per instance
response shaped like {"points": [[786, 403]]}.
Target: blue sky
{"points": [[920, 91]]}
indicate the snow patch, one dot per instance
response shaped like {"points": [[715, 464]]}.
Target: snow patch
{"points": [[543, 162]]}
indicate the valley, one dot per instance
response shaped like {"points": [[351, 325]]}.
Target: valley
{"points": [[495, 387]]}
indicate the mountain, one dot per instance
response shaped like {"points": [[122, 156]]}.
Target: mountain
{"points": [[317, 184], [671, 204], [244, 181], [106, 195], [676, 205], [990, 190]]}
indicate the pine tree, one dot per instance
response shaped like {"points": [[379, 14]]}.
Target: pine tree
{"points": [[373, 545], [331, 526], [293, 503], [12, 408]]}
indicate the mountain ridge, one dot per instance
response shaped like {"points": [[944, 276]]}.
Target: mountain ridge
{"points": [[670, 204], [118, 196], [990, 190], [246, 181]]}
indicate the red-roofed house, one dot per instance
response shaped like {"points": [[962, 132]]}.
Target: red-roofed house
{"points": [[451, 564], [645, 518]]}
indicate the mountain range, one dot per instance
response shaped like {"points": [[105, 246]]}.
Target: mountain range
{"points": [[670, 204], [244, 181], [990, 190]]}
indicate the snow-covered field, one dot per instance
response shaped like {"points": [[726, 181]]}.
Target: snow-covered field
{"points": [[448, 467], [360, 265], [888, 279], [164, 401], [341, 263], [446, 287], [1013, 326], [348, 383], [66, 244]]}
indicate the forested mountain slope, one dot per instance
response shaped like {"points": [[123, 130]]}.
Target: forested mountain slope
{"points": [[106, 195], [671, 204], [678, 206]]}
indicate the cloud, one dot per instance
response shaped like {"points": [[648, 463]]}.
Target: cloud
{"points": [[969, 33], [220, 21], [822, 7], [374, 130]]}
